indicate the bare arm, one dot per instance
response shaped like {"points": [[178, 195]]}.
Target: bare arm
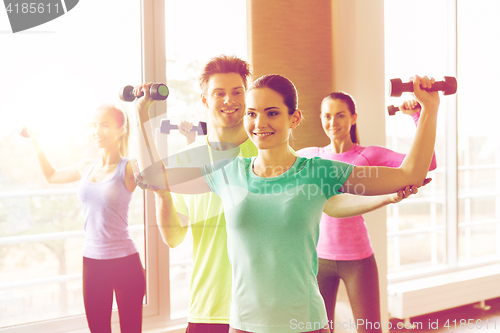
{"points": [[53, 175], [348, 205], [184, 180], [410, 107], [382, 180], [168, 220], [155, 175], [129, 176]]}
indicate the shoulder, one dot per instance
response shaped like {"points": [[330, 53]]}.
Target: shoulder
{"points": [[129, 166], [309, 152], [375, 152], [248, 149], [318, 162]]}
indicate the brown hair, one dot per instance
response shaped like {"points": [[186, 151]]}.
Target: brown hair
{"points": [[224, 64], [282, 86], [351, 105]]}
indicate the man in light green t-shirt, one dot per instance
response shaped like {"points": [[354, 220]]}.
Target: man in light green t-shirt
{"points": [[223, 82]]}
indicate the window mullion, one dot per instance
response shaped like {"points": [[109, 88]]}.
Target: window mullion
{"points": [[451, 142]]}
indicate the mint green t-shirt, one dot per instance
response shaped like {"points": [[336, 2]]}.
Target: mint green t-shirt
{"points": [[273, 228], [210, 289]]}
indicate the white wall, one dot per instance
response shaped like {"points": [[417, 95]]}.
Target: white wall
{"points": [[358, 52]]}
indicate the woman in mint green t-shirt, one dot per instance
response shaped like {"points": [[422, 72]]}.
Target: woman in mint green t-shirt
{"points": [[273, 205]]}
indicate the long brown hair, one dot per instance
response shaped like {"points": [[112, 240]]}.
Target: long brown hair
{"points": [[351, 105], [282, 86]]}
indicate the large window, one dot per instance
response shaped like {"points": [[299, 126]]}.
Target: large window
{"points": [[194, 32], [454, 221], [478, 146], [53, 77]]}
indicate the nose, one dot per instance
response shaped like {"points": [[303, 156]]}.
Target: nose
{"points": [[97, 130], [334, 121], [260, 122], [228, 99]]}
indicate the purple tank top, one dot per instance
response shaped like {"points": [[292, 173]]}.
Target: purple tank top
{"points": [[105, 211]]}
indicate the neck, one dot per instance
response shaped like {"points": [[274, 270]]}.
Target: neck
{"points": [[341, 146], [110, 156], [275, 161], [219, 136]]}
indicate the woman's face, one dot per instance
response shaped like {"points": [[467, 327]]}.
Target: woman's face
{"points": [[266, 120], [106, 131], [337, 119]]}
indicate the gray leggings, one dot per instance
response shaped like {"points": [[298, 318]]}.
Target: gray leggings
{"points": [[361, 280]]}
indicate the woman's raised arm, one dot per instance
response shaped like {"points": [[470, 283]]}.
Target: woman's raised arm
{"points": [[372, 180], [53, 175]]}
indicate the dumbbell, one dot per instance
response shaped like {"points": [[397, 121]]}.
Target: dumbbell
{"points": [[166, 127], [449, 86], [158, 92], [392, 109]]}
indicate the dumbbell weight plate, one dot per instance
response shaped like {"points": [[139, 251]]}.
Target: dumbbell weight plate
{"points": [[158, 92], [448, 86], [127, 94]]}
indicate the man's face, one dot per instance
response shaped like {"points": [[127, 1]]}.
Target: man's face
{"points": [[225, 99]]}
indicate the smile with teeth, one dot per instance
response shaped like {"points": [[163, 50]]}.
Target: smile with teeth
{"points": [[229, 111], [263, 134]]}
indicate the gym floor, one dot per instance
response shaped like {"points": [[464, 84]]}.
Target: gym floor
{"points": [[462, 319]]}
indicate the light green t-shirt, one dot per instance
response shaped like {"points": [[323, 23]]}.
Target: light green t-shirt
{"points": [[273, 229], [210, 291]]}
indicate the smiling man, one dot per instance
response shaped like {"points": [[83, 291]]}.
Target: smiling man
{"points": [[223, 82]]}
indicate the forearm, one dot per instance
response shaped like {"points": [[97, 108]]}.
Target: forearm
{"points": [[348, 205], [416, 163], [47, 168], [148, 154], [172, 232], [433, 165]]}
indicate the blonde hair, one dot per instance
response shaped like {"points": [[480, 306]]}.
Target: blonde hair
{"points": [[121, 118]]}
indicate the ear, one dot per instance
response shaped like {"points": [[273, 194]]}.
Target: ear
{"points": [[122, 129], [296, 118], [354, 118], [204, 100]]}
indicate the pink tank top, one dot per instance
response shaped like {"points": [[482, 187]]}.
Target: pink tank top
{"points": [[347, 238]]}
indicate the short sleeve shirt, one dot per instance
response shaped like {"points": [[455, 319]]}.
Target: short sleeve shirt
{"points": [[273, 228]]}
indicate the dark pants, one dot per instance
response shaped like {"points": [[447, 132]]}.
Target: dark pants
{"points": [[361, 280], [207, 328], [123, 275]]}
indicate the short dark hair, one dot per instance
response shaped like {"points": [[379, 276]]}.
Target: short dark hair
{"points": [[224, 64], [282, 86]]}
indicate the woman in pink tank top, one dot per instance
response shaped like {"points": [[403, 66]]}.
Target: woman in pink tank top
{"points": [[111, 262], [344, 248]]}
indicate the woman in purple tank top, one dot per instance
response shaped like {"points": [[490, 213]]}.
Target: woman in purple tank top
{"points": [[110, 258], [344, 248]]}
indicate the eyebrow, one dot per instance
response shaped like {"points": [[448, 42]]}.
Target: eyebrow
{"points": [[235, 88], [267, 109]]}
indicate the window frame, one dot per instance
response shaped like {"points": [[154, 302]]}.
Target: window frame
{"points": [[156, 313], [451, 172]]}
